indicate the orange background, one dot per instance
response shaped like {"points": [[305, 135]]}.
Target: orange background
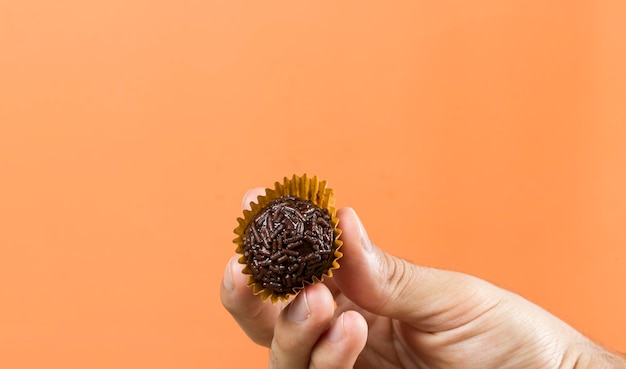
{"points": [[483, 137]]}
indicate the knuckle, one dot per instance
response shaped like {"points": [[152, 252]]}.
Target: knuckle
{"points": [[399, 276], [252, 321], [261, 339], [287, 342]]}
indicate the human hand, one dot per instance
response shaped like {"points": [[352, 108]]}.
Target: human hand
{"points": [[393, 314]]}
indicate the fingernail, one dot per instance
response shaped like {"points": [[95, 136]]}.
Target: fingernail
{"points": [[228, 277], [366, 244], [299, 309], [335, 333]]}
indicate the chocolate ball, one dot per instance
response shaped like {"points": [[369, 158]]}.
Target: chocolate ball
{"points": [[289, 243]]}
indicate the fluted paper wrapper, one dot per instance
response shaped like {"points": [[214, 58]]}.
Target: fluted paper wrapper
{"points": [[299, 187]]}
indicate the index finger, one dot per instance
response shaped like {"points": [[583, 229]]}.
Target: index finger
{"points": [[255, 317]]}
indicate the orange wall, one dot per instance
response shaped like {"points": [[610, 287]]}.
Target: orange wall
{"points": [[488, 138]]}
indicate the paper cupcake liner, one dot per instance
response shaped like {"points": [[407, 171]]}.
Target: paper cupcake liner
{"points": [[271, 262]]}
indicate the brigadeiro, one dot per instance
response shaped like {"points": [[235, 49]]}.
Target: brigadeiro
{"points": [[289, 238]]}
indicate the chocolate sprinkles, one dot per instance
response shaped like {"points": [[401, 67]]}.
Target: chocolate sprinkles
{"points": [[288, 243]]}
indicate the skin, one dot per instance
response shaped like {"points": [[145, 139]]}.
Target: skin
{"points": [[393, 314]]}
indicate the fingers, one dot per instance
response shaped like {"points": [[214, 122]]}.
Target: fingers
{"points": [[303, 339], [428, 299], [251, 196], [299, 327], [255, 317], [342, 344]]}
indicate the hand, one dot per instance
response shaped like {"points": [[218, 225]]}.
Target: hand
{"points": [[393, 314]]}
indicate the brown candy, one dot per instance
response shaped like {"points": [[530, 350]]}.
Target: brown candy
{"points": [[288, 243], [289, 238]]}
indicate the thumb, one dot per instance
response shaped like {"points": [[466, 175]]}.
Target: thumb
{"points": [[428, 299]]}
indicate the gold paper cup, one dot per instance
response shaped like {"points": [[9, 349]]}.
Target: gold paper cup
{"points": [[289, 239]]}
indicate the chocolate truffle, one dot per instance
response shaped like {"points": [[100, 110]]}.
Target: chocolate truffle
{"points": [[289, 238], [287, 243]]}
